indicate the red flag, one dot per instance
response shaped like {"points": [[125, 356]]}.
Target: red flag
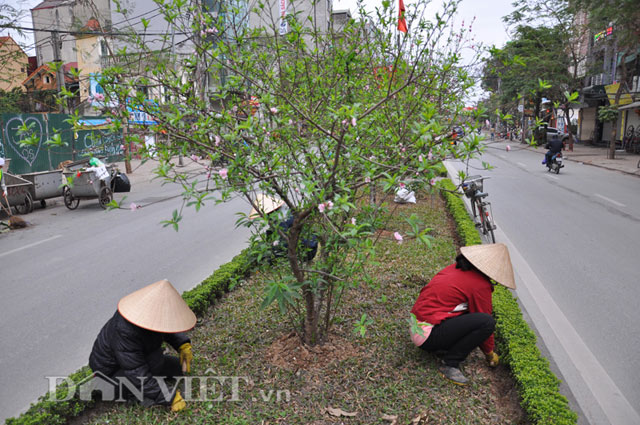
{"points": [[402, 23]]}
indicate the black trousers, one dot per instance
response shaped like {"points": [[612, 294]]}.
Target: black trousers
{"points": [[458, 336], [159, 365]]}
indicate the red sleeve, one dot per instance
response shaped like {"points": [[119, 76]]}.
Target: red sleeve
{"points": [[480, 302]]}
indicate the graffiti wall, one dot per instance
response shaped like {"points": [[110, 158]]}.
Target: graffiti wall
{"points": [[92, 140]]}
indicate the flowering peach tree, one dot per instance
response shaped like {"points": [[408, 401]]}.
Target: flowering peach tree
{"points": [[330, 120]]}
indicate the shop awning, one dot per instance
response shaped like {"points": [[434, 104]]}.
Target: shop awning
{"points": [[612, 90], [633, 105]]}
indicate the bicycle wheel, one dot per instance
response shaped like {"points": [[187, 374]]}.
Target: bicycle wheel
{"points": [[487, 222], [473, 207]]}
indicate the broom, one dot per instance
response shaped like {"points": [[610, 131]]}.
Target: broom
{"points": [[15, 222]]}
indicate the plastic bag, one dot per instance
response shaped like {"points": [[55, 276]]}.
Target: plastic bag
{"points": [[403, 196], [121, 183]]}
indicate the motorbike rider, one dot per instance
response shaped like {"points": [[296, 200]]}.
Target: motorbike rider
{"points": [[555, 146]]}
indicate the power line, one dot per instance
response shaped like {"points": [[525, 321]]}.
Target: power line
{"points": [[85, 32]]}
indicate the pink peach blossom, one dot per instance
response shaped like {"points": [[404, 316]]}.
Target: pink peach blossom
{"points": [[321, 208], [353, 121], [218, 140], [353, 221], [223, 173]]}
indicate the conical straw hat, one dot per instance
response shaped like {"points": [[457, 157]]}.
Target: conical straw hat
{"points": [[492, 260], [157, 307], [266, 204]]}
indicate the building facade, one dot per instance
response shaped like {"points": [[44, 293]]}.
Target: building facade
{"points": [[13, 66]]}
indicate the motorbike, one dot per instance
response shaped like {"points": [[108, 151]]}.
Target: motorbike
{"points": [[555, 164]]}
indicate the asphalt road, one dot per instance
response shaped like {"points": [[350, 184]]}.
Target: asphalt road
{"points": [[574, 239], [61, 277]]}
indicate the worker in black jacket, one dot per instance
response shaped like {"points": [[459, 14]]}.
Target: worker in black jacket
{"points": [[129, 346]]}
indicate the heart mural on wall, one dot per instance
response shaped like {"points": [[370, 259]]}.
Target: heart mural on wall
{"points": [[12, 138]]}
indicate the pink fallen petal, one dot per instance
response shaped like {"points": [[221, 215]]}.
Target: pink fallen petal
{"points": [[217, 140], [420, 158], [353, 221], [321, 208], [402, 185], [432, 182], [367, 180], [429, 156], [398, 237], [133, 207], [353, 122], [508, 148], [223, 173], [194, 158]]}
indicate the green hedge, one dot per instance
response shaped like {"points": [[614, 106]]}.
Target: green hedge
{"points": [[46, 411], [516, 342]]}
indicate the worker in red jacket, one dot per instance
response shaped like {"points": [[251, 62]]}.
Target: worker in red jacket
{"points": [[453, 311]]}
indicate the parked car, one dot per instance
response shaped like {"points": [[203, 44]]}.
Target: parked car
{"points": [[552, 132]]}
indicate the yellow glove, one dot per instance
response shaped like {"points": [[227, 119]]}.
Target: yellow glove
{"points": [[178, 403], [492, 358], [186, 356]]}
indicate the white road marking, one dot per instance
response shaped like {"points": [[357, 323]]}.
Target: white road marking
{"points": [[503, 156], [609, 200], [552, 177], [521, 164], [30, 245], [611, 400]]}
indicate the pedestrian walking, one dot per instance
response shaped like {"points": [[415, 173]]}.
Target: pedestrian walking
{"points": [[454, 309]]}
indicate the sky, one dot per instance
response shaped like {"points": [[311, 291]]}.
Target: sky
{"points": [[488, 27]]}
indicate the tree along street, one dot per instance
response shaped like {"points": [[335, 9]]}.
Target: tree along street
{"points": [[63, 276], [575, 239]]}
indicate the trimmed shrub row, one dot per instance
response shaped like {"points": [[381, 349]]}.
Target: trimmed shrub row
{"points": [[46, 411], [516, 342]]}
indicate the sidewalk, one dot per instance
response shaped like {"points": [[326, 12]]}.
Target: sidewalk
{"points": [[597, 156]]}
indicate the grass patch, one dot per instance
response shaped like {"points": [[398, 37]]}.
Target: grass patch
{"points": [[381, 375]]}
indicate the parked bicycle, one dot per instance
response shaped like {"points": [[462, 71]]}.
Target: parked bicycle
{"points": [[481, 208]]}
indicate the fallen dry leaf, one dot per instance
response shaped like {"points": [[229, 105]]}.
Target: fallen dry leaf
{"points": [[391, 418], [339, 412]]}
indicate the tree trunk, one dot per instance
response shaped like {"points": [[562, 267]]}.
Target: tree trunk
{"points": [[310, 325], [568, 120], [614, 124]]}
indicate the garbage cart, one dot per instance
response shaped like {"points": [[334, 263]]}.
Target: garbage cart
{"points": [[46, 185], [80, 184], [18, 194]]}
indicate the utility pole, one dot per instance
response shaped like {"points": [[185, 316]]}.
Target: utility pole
{"points": [[55, 40]]}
